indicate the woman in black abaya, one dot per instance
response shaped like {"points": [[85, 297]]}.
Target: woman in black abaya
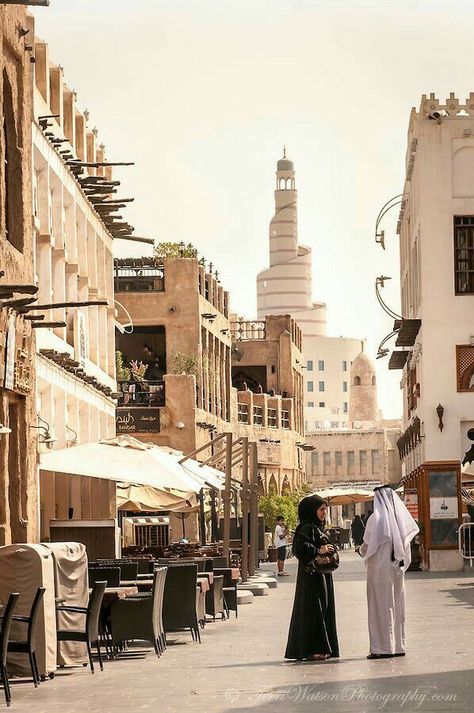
{"points": [[357, 530], [312, 632]]}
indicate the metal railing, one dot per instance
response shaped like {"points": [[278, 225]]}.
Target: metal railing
{"points": [[139, 278], [142, 393], [466, 541], [245, 330]]}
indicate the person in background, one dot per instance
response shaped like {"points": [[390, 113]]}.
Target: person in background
{"points": [[357, 531], [312, 635], [387, 553], [363, 517], [280, 541], [154, 371]]}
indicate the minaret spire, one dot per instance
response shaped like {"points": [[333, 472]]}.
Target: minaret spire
{"points": [[284, 150]]}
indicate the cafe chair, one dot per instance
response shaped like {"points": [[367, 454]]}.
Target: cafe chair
{"points": [[140, 616], [110, 575], [90, 633], [229, 589], [5, 624], [28, 645], [179, 603]]}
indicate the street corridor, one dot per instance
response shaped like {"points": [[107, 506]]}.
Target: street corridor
{"points": [[239, 665]]}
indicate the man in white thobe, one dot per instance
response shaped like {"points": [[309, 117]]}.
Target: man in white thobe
{"points": [[387, 553]]}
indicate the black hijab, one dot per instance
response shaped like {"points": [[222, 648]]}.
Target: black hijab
{"points": [[307, 512]]}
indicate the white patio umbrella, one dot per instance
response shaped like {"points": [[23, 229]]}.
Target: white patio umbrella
{"points": [[124, 459], [345, 496], [205, 473]]}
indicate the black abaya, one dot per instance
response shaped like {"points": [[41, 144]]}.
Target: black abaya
{"points": [[313, 622], [357, 530]]}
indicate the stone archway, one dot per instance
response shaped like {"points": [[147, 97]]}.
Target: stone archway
{"points": [[273, 485]]}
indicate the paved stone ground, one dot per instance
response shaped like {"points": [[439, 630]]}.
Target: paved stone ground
{"points": [[239, 665]]}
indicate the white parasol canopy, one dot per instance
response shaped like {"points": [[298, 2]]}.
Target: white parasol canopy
{"points": [[345, 496], [126, 460]]}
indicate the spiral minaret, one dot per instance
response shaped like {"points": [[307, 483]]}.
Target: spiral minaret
{"points": [[286, 286]]}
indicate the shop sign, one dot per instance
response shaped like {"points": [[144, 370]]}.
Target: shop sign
{"points": [[137, 420], [410, 498], [443, 508]]}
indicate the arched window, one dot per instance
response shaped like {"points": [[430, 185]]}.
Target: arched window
{"points": [[373, 380], [11, 169], [282, 185], [357, 381]]}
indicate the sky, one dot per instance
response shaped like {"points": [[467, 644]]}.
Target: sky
{"points": [[202, 95]]}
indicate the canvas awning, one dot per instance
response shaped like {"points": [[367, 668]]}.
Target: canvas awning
{"points": [[126, 460], [143, 498], [345, 496], [467, 473]]}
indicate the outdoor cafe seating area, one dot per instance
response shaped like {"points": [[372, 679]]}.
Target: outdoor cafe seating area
{"points": [[62, 610]]}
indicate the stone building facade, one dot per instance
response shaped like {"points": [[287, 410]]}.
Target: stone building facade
{"points": [[363, 455], [268, 379], [18, 467], [73, 247], [176, 321], [435, 335]]}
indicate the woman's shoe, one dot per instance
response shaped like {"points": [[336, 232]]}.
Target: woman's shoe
{"points": [[381, 656], [318, 657]]}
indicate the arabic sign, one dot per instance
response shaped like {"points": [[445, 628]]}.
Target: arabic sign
{"points": [[137, 420], [269, 453], [80, 338], [10, 346]]}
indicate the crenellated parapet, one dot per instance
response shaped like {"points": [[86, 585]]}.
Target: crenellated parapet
{"points": [[451, 106]]}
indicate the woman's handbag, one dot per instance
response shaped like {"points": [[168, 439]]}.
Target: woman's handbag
{"points": [[322, 564]]}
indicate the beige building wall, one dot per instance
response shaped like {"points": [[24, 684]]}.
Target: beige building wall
{"points": [[73, 263], [436, 228], [367, 456], [18, 479], [188, 314]]}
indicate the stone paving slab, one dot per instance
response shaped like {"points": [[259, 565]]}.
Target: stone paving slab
{"points": [[239, 666]]}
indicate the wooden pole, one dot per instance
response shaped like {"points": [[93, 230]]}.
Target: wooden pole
{"points": [[253, 488], [202, 517], [244, 498], [227, 496]]}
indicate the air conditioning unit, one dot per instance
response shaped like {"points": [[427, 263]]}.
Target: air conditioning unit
{"points": [[153, 531]]}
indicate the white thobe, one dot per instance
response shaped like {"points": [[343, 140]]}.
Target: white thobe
{"points": [[386, 601]]}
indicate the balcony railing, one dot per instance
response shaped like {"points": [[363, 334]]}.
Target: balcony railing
{"points": [[246, 330], [142, 393], [139, 275]]}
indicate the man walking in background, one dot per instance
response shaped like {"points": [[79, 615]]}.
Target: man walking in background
{"points": [[280, 541]]}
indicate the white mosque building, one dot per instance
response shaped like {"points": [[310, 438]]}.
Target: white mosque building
{"points": [[285, 287]]}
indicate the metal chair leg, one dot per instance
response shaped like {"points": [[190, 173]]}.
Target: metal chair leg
{"points": [[32, 666], [99, 655], [35, 664], [89, 652], [6, 685]]}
